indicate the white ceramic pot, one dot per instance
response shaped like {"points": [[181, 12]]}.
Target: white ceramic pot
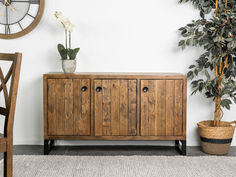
{"points": [[69, 66]]}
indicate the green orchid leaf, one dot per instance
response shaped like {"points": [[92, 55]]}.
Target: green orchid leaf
{"points": [[62, 51]]}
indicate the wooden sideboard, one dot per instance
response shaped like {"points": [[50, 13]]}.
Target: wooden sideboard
{"points": [[115, 106]]}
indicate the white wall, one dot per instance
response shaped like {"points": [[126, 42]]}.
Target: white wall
{"points": [[114, 35]]}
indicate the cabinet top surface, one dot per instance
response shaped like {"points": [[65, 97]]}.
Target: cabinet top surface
{"points": [[116, 74]]}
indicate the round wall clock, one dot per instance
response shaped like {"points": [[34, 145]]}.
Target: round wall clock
{"points": [[19, 17]]}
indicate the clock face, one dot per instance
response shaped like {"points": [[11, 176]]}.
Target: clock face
{"points": [[19, 17]]}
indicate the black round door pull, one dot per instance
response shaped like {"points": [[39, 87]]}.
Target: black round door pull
{"points": [[84, 89], [145, 89], [99, 89]]}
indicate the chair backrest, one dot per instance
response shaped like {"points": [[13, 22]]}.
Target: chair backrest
{"points": [[9, 94]]}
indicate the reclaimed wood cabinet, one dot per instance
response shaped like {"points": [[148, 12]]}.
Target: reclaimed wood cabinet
{"points": [[115, 106]]}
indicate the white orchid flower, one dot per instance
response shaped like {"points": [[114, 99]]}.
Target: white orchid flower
{"points": [[65, 21], [68, 26], [59, 16]]}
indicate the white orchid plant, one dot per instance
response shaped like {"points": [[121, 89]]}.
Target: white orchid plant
{"points": [[66, 52]]}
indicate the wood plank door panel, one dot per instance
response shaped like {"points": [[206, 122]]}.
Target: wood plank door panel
{"points": [[115, 107], [161, 108], [68, 107], [60, 107], [81, 107]]}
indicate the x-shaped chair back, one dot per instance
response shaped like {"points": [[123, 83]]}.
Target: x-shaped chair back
{"points": [[11, 79]]}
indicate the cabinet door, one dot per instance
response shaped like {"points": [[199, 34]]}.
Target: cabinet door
{"points": [[162, 107], [68, 107], [81, 107], [60, 107], [115, 107]]}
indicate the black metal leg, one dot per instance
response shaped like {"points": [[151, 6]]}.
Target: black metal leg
{"points": [[48, 145], [176, 143], [51, 144], [177, 146], [182, 149]]}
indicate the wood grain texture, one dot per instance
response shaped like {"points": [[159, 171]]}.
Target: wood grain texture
{"points": [[184, 106], [98, 107], [115, 107], [119, 107], [153, 118], [161, 108], [51, 108], [84, 125], [45, 105], [138, 107], [10, 90], [3, 144], [144, 109], [118, 138], [67, 86], [106, 107], [60, 107], [132, 97], [178, 112], [77, 106], [124, 109], [81, 107], [68, 107], [120, 76], [170, 107], [151, 107], [92, 129], [121, 110], [160, 128]]}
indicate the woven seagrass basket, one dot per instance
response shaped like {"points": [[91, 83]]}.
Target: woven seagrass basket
{"points": [[216, 140]]}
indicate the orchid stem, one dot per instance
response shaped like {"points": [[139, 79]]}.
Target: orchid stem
{"points": [[66, 39], [70, 40], [66, 42]]}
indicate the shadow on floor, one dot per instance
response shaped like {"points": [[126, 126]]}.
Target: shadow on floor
{"points": [[111, 150]]}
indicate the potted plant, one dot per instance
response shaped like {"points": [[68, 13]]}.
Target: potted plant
{"points": [[214, 72], [68, 55]]}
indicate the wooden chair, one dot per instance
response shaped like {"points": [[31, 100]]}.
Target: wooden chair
{"points": [[6, 142]]}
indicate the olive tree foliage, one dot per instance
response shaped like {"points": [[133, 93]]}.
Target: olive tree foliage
{"points": [[214, 72]]}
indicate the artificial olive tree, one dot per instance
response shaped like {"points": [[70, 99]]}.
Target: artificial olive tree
{"points": [[214, 72]]}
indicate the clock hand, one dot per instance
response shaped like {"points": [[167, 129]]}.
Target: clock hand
{"points": [[3, 7], [12, 8]]}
